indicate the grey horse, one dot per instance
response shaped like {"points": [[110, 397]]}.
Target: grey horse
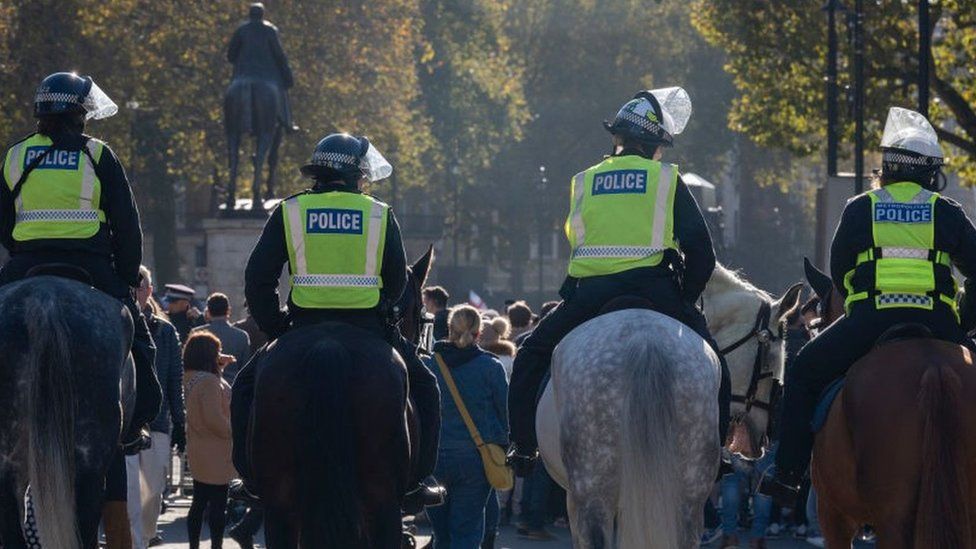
{"points": [[64, 369], [629, 421]]}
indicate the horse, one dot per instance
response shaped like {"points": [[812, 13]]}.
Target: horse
{"points": [[64, 369], [254, 107], [896, 450], [628, 424], [331, 434]]}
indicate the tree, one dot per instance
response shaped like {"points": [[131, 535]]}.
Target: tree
{"points": [[776, 56]]}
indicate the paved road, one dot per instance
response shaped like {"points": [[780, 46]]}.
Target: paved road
{"points": [[173, 525]]}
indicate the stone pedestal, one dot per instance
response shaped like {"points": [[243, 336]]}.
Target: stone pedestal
{"points": [[228, 245]]}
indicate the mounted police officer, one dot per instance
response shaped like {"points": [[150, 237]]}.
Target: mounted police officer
{"points": [[635, 230], [335, 228], [255, 51], [65, 199], [891, 260]]}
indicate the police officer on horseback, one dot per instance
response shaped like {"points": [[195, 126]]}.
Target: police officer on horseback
{"points": [[891, 260], [347, 264], [635, 230], [65, 200]]}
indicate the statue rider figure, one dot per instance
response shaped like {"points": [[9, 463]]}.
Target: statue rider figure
{"points": [[255, 51]]}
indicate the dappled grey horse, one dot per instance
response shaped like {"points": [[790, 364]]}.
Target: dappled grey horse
{"points": [[64, 365], [629, 421]]}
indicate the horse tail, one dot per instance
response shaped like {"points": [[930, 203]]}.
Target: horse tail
{"points": [[649, 490], [328, 503], [942, 517], [50, 419]]}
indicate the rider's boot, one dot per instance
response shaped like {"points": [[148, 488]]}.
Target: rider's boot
{"points": [[149, 395]]}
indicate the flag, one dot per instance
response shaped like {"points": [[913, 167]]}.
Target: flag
{"points": [[475, 301]]}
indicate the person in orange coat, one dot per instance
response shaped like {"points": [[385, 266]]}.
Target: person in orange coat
{"points": [[208, 434]]}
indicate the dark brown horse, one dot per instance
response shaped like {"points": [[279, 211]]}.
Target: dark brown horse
{"points": [[331, 434], [898, 450]]}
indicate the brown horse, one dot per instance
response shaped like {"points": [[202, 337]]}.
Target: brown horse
{"points": [[898, 450]]}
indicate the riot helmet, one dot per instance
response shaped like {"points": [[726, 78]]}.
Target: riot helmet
{"points": [[67, 93], [346, 157], [911, 151], [653, 117]]}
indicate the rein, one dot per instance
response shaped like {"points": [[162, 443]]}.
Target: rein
{"points": [[764, 337]]}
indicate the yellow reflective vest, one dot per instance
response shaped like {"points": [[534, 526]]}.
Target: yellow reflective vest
{"points": [[60, 197], [621, 216], [335, 249], [902, 268]]}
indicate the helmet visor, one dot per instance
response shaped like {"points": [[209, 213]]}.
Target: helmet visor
{"points": [[374, 166], [98, 105], [676, 106]]}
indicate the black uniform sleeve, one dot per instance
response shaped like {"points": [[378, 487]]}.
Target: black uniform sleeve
{"points": [[695, 243], [956, 235], [852, 236], [394, 271], [261, 276], [122, 215], [7, 212]]}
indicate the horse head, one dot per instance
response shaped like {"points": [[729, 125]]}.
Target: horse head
{"points": [[409, 310], [831, 305]]}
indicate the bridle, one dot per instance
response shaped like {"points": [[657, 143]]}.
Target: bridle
{"points": [[765, 337]]}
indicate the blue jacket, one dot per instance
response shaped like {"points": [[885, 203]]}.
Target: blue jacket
{"points": [[480, 379], [169, 369]]}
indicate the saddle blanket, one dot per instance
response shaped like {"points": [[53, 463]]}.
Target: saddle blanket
{"points": [[823, 405]]}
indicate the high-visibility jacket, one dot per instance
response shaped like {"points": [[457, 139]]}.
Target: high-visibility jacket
{"points": [[621, 216], [60, 196], [902, 268], [335, 249]]}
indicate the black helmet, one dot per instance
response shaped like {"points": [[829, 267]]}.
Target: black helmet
{"points": [[653, 117], [68, 93], [61, 93], [338, 155]]}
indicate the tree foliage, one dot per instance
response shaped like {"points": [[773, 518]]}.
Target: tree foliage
{"points": [[777, 53]]}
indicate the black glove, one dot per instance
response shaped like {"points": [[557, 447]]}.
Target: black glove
{"points": [[178, 438], [142, 442]]}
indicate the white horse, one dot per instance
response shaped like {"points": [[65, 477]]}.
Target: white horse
{"points": [[629, 422]]}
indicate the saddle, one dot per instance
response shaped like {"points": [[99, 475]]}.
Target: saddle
{"points": [[898, 332], [625, 302], [61, 270]]}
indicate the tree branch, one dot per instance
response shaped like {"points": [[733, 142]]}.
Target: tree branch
{"points": [[957, 140]]}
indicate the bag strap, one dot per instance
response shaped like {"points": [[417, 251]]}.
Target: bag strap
{"points": [[475, 435]]}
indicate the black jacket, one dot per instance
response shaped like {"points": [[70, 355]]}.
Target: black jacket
{"points": [[270, 254], [954, 234], [119, 239], [696, 262], [255, 51]]}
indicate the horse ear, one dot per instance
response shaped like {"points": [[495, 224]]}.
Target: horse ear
{"points": [[789, 301], [819, 281], [421, 268]]}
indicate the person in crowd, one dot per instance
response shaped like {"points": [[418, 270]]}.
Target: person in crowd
{"points": [[635, 230], [535, 505], [208, 435], [520, 316], [494, 339], [435, 301], [180, 309], [147, 470], [233, 340], [891, 259], [480, 380], [65, 199], [319, 232], [546, 308], [257, 338], [738, 484]]}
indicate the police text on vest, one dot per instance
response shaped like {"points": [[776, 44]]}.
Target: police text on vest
{"points": [[888, 212], [57, 160], [334, 221], [620, 182]]}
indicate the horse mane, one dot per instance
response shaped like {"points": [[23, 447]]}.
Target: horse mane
{"points": [[731, 304]]}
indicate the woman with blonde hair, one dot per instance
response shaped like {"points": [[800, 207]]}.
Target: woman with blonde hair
{"points": [[480, 381], [494, 339]]}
